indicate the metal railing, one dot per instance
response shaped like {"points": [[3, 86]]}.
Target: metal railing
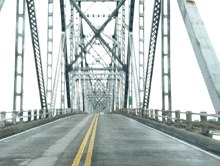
{"points": [[19, 117], [177, 118]]}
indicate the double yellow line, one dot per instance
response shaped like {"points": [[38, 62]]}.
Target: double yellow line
{"points": [[91, 144]]}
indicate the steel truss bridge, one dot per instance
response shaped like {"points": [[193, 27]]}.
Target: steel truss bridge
{"points": [[100, 69], [98, 66]]}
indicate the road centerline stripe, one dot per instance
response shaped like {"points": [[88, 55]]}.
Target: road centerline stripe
{"points": [[81, 149], [91, 145]]}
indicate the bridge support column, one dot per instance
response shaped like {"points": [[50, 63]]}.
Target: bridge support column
{"points": [[29, 115], [3, 121], [188, 117], [14, 117], [204, 129], [177, 121]]}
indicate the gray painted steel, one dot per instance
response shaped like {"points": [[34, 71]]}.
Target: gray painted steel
{"points": [[165, 59], [204, 51], [49, 74], [19, 55], [1, 4]]}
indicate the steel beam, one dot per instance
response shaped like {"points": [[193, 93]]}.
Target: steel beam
{"points": [[151, 53], [203, 49], [63, 27], [19, 55], [141, 49], [131, 21], [49, 83], [98, 31], [165, 57], [1, 4], [37, 52]]}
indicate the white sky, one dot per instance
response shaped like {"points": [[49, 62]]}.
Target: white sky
{"points": [[188, 88]]}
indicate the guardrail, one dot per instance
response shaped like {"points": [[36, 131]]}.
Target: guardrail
{"points": [[173, 117], [14, 117]]}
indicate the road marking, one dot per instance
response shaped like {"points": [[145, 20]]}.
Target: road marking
{"points": [[14, 135], [197, 148], [91, 145], [81, 149]]}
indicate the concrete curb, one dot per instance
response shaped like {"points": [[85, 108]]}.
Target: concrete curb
{"points": [[22, 127], [188, 136]]}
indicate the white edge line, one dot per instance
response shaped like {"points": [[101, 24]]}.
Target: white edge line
{"points": [[14, 135], [195, 147]]}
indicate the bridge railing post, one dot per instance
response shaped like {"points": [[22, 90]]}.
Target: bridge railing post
{"points": [[14, 117], [21, 114], [61, 111], [3, 120], [203, 118], [147, 113], [45, 113], [144, 112], [219, 118], [40, 114], [177, 116], [156, 114], [35, 114], [151, 114], [29, 115], [169, 116], [189, 118]]}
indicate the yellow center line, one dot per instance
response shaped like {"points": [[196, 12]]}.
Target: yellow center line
{"points": [[81, 149], [91, 145]]}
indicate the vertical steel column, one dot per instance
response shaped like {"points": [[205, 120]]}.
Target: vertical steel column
{"points": [[62, 102], [37, 52], [57, 72], [49, 84], [130, 82], [72, 35], [19, 56], [130, 28], [166, 76], [123, 51], [117, 93], [141, 50], [63, 26]]}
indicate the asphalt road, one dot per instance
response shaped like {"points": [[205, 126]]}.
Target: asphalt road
{"points": [[107, 139]]}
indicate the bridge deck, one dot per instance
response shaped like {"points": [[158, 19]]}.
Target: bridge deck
{"points": [[118, 141]]}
